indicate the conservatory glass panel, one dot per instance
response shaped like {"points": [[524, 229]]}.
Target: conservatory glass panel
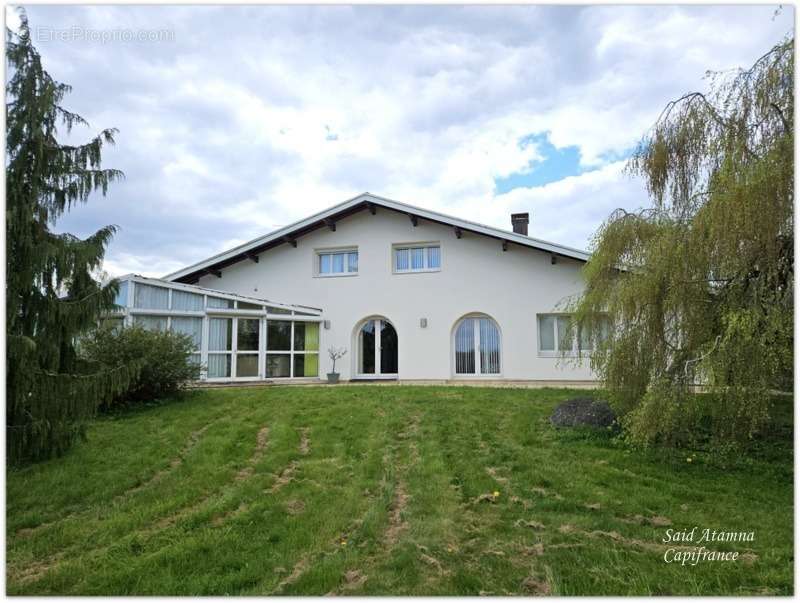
{"points": [[219, 366], [279, 335], [306, 365], [279, 365], [247, 334], [306, 336], [219, 302], [186, 302], [247, 365], [189, 325], [151, 323], [122, 294], [220, 334], [150, 298]]}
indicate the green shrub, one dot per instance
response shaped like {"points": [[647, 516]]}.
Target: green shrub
{"points": [[165, 356]]}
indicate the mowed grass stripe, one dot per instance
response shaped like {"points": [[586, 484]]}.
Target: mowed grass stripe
{"points": [[382, 490]]}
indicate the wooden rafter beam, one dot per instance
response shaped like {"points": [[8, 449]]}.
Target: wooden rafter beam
{"points": [[505, 245], [217, 273], [291, 241], [253, 257], [330, 224], [372, 208], [414, 219], [458, 232], [553, 258]]}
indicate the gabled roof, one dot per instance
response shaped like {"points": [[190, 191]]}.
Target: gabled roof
{"points": [[328, 218]]}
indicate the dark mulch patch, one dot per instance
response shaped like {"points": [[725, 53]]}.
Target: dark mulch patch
{"points": [[583, 412]]}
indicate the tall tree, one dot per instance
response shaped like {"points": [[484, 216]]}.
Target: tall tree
{"points": [[699, 287], [51, 296]]}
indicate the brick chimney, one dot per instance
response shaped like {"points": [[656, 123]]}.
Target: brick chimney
{"points": [[519, 222]]}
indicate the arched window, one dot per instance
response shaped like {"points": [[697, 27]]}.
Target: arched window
{"points": [[476, 344]]}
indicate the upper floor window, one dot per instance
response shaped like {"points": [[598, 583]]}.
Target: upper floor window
{"points": [[333, 263], [422, 258], [559, 335]]}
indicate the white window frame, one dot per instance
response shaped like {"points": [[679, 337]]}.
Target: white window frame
{"points": [[573, 352], [418, 245], [318, 253]]}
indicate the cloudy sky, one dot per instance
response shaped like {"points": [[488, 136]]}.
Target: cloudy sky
{"points": [[243, 119]]}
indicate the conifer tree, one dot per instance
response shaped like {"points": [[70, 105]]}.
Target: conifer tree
{"points": [[51, 295]]}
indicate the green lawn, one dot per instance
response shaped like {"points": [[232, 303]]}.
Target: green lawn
{"points": [[382, 490]]}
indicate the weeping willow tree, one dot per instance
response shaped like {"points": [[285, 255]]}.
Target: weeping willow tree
{"points": [[51, 296], [699, 286]]}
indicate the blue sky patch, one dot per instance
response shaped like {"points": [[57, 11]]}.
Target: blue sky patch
{"points": [[558, 163]]}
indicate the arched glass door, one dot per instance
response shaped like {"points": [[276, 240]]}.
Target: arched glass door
{"points": [[377, 349], [477, 346]]}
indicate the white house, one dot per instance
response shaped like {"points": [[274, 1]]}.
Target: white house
{"points": [[412, 294]]}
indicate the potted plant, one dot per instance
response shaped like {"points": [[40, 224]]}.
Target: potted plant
{"points": [[335, 354]]}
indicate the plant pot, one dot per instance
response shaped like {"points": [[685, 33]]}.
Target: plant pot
{"points": [[333, 377]]}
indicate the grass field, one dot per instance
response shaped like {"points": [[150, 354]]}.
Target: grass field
{"points": [[382, 490]]}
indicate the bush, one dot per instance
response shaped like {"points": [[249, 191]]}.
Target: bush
{"points": [[166, 367]]}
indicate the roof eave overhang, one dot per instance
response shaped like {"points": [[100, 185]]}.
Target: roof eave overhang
{"points": [[324, 219]]}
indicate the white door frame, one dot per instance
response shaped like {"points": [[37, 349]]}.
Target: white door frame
{"points": [[377, 374]]}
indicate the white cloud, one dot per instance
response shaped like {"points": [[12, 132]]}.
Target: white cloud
{"points": [[257, 116]]}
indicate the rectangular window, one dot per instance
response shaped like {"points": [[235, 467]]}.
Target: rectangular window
{"points": [[417, 259], [337, 263], [558, 334]]}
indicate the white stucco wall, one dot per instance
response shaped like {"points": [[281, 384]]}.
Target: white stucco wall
{"points": [[476, 276]]}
